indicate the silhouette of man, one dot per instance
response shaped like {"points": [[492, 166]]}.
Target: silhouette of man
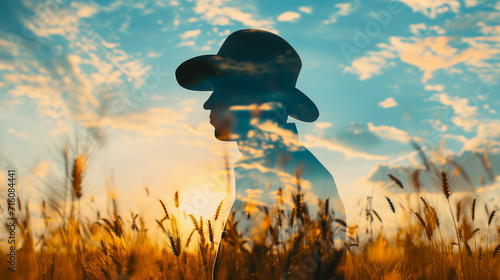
{"points": [[253, 78]]}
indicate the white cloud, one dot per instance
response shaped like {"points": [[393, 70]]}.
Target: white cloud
{"points": [[42, 90], [186, 43], [70, 84], [432, 8], [476, 144], [420, 29], [489, 129], [154, 54], [343, 9], [428, 54], [123, 28], [388, 103], [415, 28], [460, 105], [372, 64], [391, 133], [42, 169], [84, 10], [219, 13], [151, 122], [314, 141], [221, 21], [17, 133], [436, 87], [434, 53], [306, 10], [6, 66], [289, 16], [490, 30], [471, 3], [464, 114], [438, 125], [190, 34], [322, 125]]}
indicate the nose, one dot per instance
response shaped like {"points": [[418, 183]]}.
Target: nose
{"points": [[211, 101]]}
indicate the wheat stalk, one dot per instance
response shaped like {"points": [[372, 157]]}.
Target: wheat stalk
{"points": [[496, 251], [473, 210], [396, 181], [492, 215], [217, 212], [445, 186]]}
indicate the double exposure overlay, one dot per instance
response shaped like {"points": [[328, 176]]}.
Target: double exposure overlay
{"points": [[250, 139]]}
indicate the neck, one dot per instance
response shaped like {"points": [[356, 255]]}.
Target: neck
{"points": [[267, 141]]}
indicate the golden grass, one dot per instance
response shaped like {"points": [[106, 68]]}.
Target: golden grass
{"points": [[296, 244]]}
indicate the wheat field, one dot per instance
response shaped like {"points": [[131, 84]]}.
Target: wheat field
{"points": [[297, 244]]}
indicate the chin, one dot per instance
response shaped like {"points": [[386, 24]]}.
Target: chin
{"points": [[225, 135]]}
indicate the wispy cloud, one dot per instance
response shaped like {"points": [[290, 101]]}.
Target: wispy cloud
{"points": [[433, 53], [190, 34], [151, 122], [432, 8], [429, 54], [464, 113], [372, 64], [289, 16], [67, 66], [345, 8], [391, 133], [306, 9], [314, 141], [85, 10], [220, 13], [186, 44], [388, 103], [19, 134], [489, 130], [342, 9], [422, 29], [436, 87]]}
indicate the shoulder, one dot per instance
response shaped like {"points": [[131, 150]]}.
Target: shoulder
{"points": [[310, 166]]}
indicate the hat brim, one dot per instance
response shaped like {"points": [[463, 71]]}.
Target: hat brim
{"points": [[199, 74]]}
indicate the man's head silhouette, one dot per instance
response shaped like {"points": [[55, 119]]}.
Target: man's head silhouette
{"points": [[253, 79]]}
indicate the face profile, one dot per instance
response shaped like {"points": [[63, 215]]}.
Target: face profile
{"points": [[237, 105], [252, 80]]}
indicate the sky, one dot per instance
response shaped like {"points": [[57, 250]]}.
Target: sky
{"points": [[382, 73]]}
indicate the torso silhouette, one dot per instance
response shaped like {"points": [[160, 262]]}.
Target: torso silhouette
{"points": [[273, 170], [253, 78]]}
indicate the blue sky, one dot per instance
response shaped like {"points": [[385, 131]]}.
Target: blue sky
{"points": [[380, 72]]}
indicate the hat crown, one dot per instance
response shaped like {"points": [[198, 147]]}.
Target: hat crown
{"points": [[267, 53]]}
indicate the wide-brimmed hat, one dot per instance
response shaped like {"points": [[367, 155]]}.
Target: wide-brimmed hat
{"points": [[261, 55]]}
